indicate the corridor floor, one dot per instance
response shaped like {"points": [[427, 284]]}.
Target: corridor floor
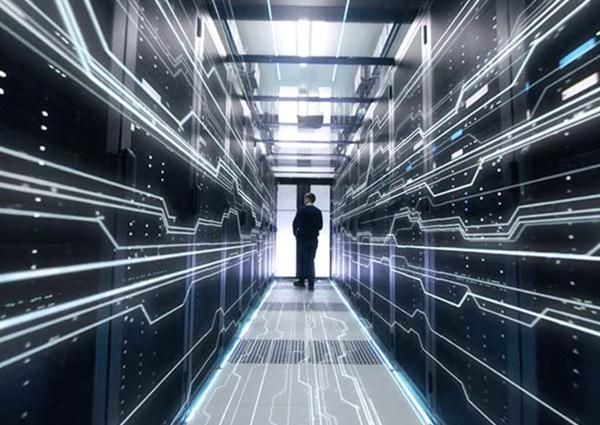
{"points": [[305, 359]]}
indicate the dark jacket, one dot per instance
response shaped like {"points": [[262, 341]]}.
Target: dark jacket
{"points": [[308, 222]]}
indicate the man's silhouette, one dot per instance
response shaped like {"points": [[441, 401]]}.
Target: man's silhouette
{"points": [[307, 223]]}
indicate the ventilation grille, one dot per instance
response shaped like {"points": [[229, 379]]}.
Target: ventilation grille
{"points": [[359, 352], [287, 351], [297, 306], [273, 351], [293, 351]]}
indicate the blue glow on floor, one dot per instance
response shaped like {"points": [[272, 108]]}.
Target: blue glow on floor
{"points": [[403, 383], [200, 397], [577, 53]]}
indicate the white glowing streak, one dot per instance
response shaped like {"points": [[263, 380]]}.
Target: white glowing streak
{"points": [[580, 86], [47, 38], [476, 96], [468, 294], [473, 357], [535, 23], [341, 39], [274, 38], [21, 275], [457, 154], [64, 307]]}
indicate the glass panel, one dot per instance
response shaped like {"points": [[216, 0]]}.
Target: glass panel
{"points": [[322, 263], [285, 252]]}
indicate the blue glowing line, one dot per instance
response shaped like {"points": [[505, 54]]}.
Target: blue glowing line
{"points": [[403, 383], [201, 396], [456, 135], [577, 53]]}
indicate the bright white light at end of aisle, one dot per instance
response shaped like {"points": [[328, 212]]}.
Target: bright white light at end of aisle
{"points": [[295, 169], [303, 37], [311, 146]]}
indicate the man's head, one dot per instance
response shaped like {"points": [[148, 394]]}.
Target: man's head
{"points": [[309, 198]]}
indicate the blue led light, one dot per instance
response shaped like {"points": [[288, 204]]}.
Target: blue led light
{"points": [[577, 53], [527, 86], [456, 135], [409, 167]]}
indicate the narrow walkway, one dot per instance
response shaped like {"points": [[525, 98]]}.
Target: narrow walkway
{"points": [[305, 359]]}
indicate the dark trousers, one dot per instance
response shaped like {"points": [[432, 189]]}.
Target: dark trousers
{"points": [[306, 250]]}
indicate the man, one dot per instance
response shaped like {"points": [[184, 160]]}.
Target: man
{"points": [[307, 223]]}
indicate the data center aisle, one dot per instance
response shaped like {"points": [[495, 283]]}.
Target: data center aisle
{"points": [[305, 359]]}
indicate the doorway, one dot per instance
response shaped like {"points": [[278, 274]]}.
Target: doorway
{"points": [[289, 199]]}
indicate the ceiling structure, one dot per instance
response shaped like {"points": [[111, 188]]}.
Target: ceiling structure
{"points": [[311, 67], [362, 11]]}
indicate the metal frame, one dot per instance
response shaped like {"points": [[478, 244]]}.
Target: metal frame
{"points": [[304, 175], [306, 155], [321, 142], [353, 99], [375, 11], [291, 124], [312, 60]]}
